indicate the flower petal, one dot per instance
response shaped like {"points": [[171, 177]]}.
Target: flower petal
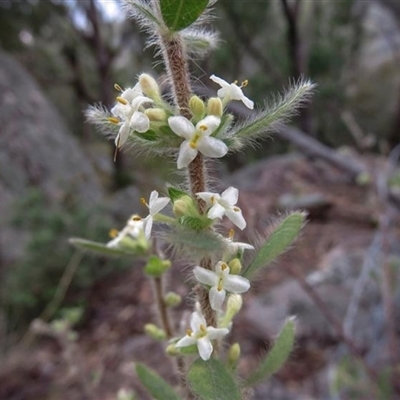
{"points": [[186, 155], [196, 320], [236, 216], [208, 125], [156, 204], [186, 341], [212, 147], [219, 81], [236, 284], [216, 211], [216, 333], [205, 276], [208, 197], [247, 102], [217, 298], [140, 122], [123, 134], [205, 348], [182, 127], [148, 224], [230, 195]]}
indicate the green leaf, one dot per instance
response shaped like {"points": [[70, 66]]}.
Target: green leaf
{"points": [[175, 194], [97, 247], [279, 240], [148, 135], [195, 223], [211, 380], [155, 385], [179, 14], [277, 356]]}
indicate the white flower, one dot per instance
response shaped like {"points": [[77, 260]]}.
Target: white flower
{"points": [[201, 335], [133, 228], [231, 91], [127, 110], [224, 204], [197, 138], [221, 281], [155, 205]]}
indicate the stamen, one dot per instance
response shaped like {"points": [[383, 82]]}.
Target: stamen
{"points": [[203, 127], [224, 266], [244, 83], [236, 209], [117, 87], [193, 142], [122, 100], [231, 234], [189, 332], [203, 329], [136, 218], [143, 201], [113, 233], [220, 286], [113, 120], [212, 199]]}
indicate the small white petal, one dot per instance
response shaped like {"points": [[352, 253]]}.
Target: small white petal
{"points": [[139, 101], [230, 195], [186, 155], [148, 224], [217, 298], [182, 127], [196, 320], [236, 216], [186, 341], [140, 122], [205, 348], [236, 284], [205, 276], [247, 102], [216, 333], [123, 134], [210, 123], [208, 197], [219, 81], [212, 147], [216, 211]]}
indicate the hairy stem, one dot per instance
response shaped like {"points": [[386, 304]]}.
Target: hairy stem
{"points": [[177, 68]]}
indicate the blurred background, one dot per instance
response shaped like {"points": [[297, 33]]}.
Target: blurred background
{"points": [[338, 160]]}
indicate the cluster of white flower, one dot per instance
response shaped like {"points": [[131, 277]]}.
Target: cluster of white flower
{"points": [[130, 115], [134, 112]]}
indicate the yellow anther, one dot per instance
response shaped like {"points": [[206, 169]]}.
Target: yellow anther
{"points": [[203, 329], [143, 201], [136, 218], [236, 209], [189, 332], [212, 199], [224, 266], [244, 83], [117, 87], [113, 120], [235, 82], [122, 100], [202, 127], [193, 142], [219, 287], [113, 233], [231, 234]]}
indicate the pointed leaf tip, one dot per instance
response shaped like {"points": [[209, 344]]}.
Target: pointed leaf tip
{"points": [[179, 14]]}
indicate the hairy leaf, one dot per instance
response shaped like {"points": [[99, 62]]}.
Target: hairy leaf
{"points": [[279, 240], [179, 14], [277, 356], [155, 385], [211, 380]]}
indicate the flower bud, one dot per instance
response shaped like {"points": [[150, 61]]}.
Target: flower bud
{"points": [[235, 266], [172, 299], [171, 350], [156, 114], [234, 304], [214, 107], [155, 332], [149, 86], [156, 266], [197, 107], [233, 355], [183, 206]]}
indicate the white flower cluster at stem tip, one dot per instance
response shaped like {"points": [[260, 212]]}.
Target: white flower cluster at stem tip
{"points": [[130, 115]]}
